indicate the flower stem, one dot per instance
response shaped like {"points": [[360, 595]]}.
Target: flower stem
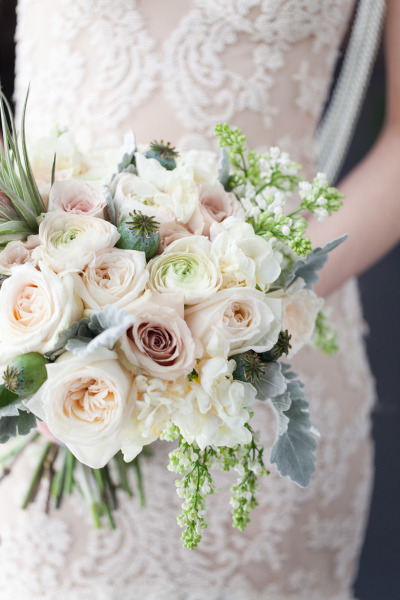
{"points": [[136, 464], [37, 475]]}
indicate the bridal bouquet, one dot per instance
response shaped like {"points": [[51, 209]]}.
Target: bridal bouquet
{"points": [[154, 299]]}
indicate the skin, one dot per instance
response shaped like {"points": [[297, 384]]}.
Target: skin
{"points": [[371, 210]]}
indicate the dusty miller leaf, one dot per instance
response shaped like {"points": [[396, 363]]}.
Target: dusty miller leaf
{"points": [[307, 269], [272, 383], [18, 425], [223, 168]]}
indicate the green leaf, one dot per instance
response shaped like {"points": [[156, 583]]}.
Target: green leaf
{"points": [[272, 383]]}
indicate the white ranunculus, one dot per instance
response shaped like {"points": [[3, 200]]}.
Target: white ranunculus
{"points": [[235, 320], [159, 342], [78, 197], [115, 276], [300, 307], [17, 253], [216, 408], [246, 259], [68, 243], [86, 403], [133, 193], [186, 266], [156, 401], [35, 307]]}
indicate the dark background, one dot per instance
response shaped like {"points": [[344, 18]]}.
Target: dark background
{"points": [[379, 574]]}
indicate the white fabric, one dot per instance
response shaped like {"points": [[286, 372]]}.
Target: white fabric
{"points": [[171, 70]]}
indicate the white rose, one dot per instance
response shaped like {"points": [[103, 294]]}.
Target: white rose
{"points": [[17, 253], [35, 307], [77, 197], [69, 242], [216, 408], [156, 401], [114, 277], [300, 309], [246, 259], [133, 193], [187, 267], [235, 320], [86, 403]]}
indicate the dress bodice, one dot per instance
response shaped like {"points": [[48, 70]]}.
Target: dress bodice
{"points": [[173, 69]]}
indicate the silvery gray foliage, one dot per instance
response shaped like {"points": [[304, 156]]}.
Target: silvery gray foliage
{"points": [[294, 449], [112, 217], [16, 425], [272, 383], [129, 151], [9, 403], [223, 168], [78, 330], [307, 269], [106, 328]]}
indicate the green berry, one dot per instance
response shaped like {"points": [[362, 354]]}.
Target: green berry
{"points": [[139, 232], [25, 374]]}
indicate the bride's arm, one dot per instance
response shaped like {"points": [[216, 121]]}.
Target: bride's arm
{"points": [[371, 210]]}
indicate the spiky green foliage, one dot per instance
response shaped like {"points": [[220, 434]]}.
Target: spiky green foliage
{"points": [[20, 200]]}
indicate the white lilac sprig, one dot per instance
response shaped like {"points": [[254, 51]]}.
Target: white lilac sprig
{"points": [[265, 182]]}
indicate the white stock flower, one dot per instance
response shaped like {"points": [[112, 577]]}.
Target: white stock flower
{"points": [[17, 253], [35, 307], [186, 266], [156, 401], [216, 408], [77, 197], [235, 320], [69, 242], [115, 276], [86, 403], [204, 164], [300, 307], [246, 259]]}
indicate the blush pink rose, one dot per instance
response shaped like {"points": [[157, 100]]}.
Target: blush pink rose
{"points": [[216, 205], [78, 197]]}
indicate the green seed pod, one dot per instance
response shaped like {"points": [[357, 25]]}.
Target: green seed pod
{"points": [[164, 153], [25, 374], [282, 346], [249, 367], [139, 232]]}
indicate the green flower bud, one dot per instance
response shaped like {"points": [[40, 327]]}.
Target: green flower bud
{"points": [[25, 374]]}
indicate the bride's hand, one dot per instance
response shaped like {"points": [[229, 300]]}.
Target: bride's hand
{"points": [[371, 210]]}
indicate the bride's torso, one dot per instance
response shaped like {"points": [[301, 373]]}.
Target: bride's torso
{"points": [[171, 70]]}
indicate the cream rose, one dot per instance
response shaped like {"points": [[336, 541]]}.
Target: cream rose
{"points": [[35, 307], [300, 309], [235, 320], [216, 205], [246, 259], [17, 253], [216, 408], [77, 197], [159, 342], [156, 401], [186, 267], [170, 232], [113, 277], [69, 242], [132, 193], [86, 403]]}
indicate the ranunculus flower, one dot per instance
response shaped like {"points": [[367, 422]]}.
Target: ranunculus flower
{"points": [[300, 307], [187, 267], [159, 342], [156, 401], [17, 253], [246, 259], [36, 306], [114, 276], [235, 320], [86, 403], [216, 205], [216, 408], [69, 242], [78, 197]]}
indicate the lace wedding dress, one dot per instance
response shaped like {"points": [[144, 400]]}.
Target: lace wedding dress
{"points": [[171, 70]]}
